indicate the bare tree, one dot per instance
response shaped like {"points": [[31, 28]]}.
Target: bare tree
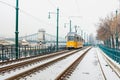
{"points": [[107, 30]]}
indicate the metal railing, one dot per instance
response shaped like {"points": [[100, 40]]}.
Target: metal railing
{"points": [[9, 53], [111, 52]]}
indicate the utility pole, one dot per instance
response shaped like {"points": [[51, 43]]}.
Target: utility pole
{"points": [[76, 28], [16, 32], [119, 5], [71, 21], [57, 28], [84, 38], [57, 31], [87, 39], [81, 33], [117, 44], [70, 26]]}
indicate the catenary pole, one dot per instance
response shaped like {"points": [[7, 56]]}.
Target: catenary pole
{"points": [[16, 32], [57, 29], [70, 26]]}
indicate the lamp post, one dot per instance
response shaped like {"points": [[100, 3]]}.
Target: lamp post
{"points": [[81, 33], [88, 39], [85, 38], [116, 32], [57, 31], [16, 32], [76, 28], [71, 21], [70, 26]]}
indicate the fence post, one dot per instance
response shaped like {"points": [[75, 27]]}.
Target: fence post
{"points": [[2, 52]]}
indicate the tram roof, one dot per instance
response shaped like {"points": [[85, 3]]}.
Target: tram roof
{"points": [[72, 33]]}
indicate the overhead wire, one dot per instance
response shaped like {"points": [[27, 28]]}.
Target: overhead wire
{"points": [[28, 14], [54, 6], [34, 17], [37, 19], [7, 4], [24, 12]]}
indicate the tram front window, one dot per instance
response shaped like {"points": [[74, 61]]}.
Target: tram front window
{"points": [[70, 38]]}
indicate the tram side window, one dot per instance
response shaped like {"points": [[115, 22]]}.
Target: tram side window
{"points": [[70, 38], [80, 39], [77, 38]]}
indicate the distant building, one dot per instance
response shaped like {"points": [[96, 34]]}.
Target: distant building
{"points": [[41, 36], [6, 42], [24, 42], [92, 40]]}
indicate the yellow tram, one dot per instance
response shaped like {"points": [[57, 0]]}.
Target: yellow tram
{"points": [[74, 40]]}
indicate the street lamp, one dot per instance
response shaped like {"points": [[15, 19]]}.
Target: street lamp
{"points": [[56, 25], [117, 43], [84, 38], [71, 21], [76, 28], [16, 32]]}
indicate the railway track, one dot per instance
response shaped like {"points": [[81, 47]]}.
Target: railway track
{"points": [[68, 71], [27, 62], [115, 69], [103, 74], [113, 66], [40, 67], [55, 69], [27, 58]]}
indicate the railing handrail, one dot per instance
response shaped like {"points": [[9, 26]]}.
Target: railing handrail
{"points": [[111, 52]]}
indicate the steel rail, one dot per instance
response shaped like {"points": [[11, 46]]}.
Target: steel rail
{"points": [[101, 68], [112, 65], [21, 59], [68, 71], [25, 63], [40, 67]]}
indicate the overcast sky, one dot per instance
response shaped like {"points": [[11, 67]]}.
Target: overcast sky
{"points": [[33, 15]]}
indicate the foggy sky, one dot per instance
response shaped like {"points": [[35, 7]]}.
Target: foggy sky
{"points": [[35, 16]]}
